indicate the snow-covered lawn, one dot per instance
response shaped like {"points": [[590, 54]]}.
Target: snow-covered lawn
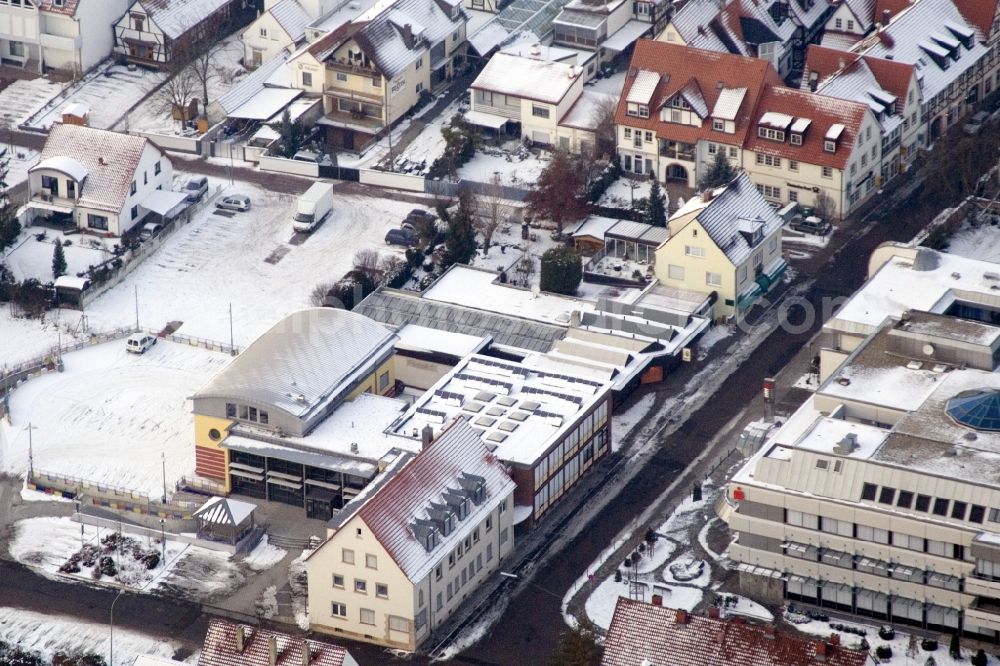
{"points": [[809, 381], [612, 84], [22, 98], [108, 417], [32, 258], [513, 168], [264, 555], [215, 261], [51, 634], [429, 144], [788, 235], [20, 159], [108, 92], [981, 242], [601, 603], [624, 191]]}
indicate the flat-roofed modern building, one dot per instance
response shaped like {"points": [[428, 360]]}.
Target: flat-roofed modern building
{"points": [[880, 496]]}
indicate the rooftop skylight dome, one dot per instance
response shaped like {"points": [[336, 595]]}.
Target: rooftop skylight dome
{"points": [[978, 409]]}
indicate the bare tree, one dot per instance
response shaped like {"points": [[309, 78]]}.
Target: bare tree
{"points": [[490, 211], [175, 96], [367, 265], [603, 118], [825, 206]]}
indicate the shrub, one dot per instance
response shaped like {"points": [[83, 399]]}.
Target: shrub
{"points": [[929, 645], [107, 566], [618, 575], [883, 652], [886, 633], [979, 659], [151, 560], [562, 270], [954, 649]]}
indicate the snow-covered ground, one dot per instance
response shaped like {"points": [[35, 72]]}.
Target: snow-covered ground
{"points": [[624, 191], [264, 555], [810, 240], [32, 258], [110, 415], [601, 603], [622, 423], [20, 160], [108, 91], [809, 381], [23, 98], [612, 84], [216, 261], [513, 169], [981, 242], [712, 337], [48, 635], [429, 144]]}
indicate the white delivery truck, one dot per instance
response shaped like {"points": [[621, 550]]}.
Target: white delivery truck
{"points": [[314, 206]]}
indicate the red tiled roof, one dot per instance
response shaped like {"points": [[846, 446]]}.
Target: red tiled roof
{"points": [[643, 633], [219, 648], [823, 112], [677, 66], [978, 12], [894, 7], [892, 75], [826, 61]]}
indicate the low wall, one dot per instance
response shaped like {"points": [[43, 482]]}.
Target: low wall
{"points": [[399, 181], [149, 532], [179, 144], [282, 165]]}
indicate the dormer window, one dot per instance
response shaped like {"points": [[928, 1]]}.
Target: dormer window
{"points": [[643, 111], [796, 139], [639, 110], [770, 133], [830, 146], [718, 125]]}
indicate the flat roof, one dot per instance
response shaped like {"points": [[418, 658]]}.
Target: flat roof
{"points": [[424, 338], [527, 78], [518, 410]]}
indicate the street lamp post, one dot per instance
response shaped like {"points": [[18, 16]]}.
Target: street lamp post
{"points": [[163, 459], [31, 455], [111, 650]]}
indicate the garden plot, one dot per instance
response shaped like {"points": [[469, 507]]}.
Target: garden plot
{"points": [[23, 98], [31, 255], [48, 635], [20, 159], [517, 166], [110, 415], [624, 192], [108, 92], [429, 144]]}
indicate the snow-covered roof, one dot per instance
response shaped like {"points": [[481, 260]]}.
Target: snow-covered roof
{"points": [[594, 226], [64, 164], [533, 15], [728, 103], [303, 362], [527, 78], [265, 104], [454, 458], [625, 36], [252, 84], [643, 86], [219, 648], [488, 37], [774, 119], [176, 17], [78, 109], [585, 112], [108, 160], [163, 202], [421, 338], [72, 282], [291, 17], [150, 660], [224, 511]]}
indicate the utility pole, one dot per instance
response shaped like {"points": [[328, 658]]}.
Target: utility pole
{"points": [[388, 119], [163, 458], [232, 344], [31, 454], [136, 290]]}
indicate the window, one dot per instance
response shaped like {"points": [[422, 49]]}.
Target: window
{"points": [[977, 513], [830, 146], [450, 593], [307, 79], [850, 24], [718, 125], [138, 22], [648, 137], [713, 279], [156, 168], [643, 111], [419, 63], [97, 222], [940, 507], [793, 165], [383, 381], [371, 561], [958, 510], [475, 535], [338, 609], [887, 495], [347, 556], [341, 76], [876, 534], [769, 133], [489, 552], [454, 36], [437, 573], [732, 151], [503, 536], [419, 88], [822, 464], [382, 590], [802, 519], [675, 272], [905, 499], [539, 111], [132, 188], [376, 81], [692, 251], [712, 148], [793, 196], [908, 541], [769, 160], [839, 527], [367, 616], [489, 523], [399, 624], [939, 548], [264, 417], [263, 33], [338, 581], [868, 492], [923, 503], [827, 172], [438, 603], [134, 212], [864, 161], [360, 586], [796, 139], [769, 191], [838, 23], [628, 132]]}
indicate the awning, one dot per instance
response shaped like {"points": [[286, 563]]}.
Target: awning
{"points": [[486, 119], [164, 202], [265, 104], [776, 270], [38, 204], [626, 35]]}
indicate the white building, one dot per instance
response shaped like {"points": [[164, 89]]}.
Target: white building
{"points": [[280, 28], [403, 556], [105, 182], [70, 35]]}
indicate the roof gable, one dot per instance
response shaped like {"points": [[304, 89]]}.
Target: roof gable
{"points": [[176, 17], [220, 647]]}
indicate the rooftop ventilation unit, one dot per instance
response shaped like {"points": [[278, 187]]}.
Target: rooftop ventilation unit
{"points": [[848, 444]]}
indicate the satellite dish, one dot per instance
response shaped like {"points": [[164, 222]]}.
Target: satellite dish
{"points": [[928, 350]]}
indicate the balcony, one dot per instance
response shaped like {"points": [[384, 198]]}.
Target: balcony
{"points": [[677, 150], [44, 200], [982, 587], [352, 67]]}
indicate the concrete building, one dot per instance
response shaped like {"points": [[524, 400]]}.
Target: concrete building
{"points": [[371, 70], [68, 35], [99, 181], [879, 496], [399, 560], [725, 243]]}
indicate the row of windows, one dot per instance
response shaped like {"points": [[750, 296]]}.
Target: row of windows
{"points": [[565, 477], [463, 547], [714, 148], [367, 616], [872, 566], [246, 413], [361, 586], [566, 450], [347, 557], [939, 506]]}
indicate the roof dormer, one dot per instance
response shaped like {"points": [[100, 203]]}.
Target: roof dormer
{"points": [[798, 129], [832, 137], [773, 126]]}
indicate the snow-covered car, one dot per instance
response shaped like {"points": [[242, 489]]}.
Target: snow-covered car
{"points": [[811, 225], [149, 230], [403, 237], [195, 189], [138, 343], [238, 202]]}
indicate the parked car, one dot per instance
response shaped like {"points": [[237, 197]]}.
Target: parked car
{"points": [[195, 189], [236, 202], [149, 230], [403, 237], [312, 156], [138, 343], [811, 225], [417, 218]]}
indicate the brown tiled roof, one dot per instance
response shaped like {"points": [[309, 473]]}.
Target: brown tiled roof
{"points": [[641, 633], [677, 66], [893, 75], [219, 648], [823, 112], [332, 40], [894, 7], [826, 61], [68, 7], [978, 12]]}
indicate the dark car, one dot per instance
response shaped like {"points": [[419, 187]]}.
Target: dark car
{"points": [[811, 225], [403, 237]]}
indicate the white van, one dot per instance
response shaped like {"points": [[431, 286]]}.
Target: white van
{"points": [[314, 206], [138, 343]]}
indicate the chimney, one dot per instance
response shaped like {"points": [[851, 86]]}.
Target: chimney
{"points": [[408, 35], [886, 16], [680, 617], [821, 651], [239, 638], [306, 655], [657, 600], [813, 81], [713, 612], [426, 436], [574, 318], [272, 651], [707, 195], [769, 632], [841, 63], [834, 639], [100, 160]]}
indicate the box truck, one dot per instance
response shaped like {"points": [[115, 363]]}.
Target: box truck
{"points": [[314, 206]]}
